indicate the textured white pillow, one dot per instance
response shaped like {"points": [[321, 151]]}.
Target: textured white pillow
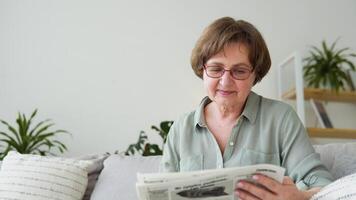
{"points": [[343, 188], [33, 177]]}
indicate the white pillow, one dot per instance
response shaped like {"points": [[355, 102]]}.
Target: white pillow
{"points": [[34, 177], [343, 188]]}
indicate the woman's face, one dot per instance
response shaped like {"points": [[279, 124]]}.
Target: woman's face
{"points": [[227, 91]]}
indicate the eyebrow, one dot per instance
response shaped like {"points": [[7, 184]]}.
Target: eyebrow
{"points": [[235, 65]]}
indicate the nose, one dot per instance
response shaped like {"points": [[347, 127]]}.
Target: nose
{"points": [[226, 79]]}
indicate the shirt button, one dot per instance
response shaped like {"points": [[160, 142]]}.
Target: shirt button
{"points": [[231, 143]]}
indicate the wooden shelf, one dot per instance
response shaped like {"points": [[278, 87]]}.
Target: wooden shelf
{"points": [[332, 133], [323, 94], [327, 95]]}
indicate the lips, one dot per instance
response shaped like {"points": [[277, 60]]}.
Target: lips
{"points": [[225, 92]]}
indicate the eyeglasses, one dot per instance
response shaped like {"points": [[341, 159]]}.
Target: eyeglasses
{"points": [[238, 73]]}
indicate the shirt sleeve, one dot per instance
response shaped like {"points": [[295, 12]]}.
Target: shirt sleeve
{"points": [[170, 159], [299, 158]]}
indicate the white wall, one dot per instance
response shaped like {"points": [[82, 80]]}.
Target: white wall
{"points": [[104, 70]]}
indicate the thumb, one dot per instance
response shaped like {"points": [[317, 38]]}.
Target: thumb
{"points": [[287, 181]]}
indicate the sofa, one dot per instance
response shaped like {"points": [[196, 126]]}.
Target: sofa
{"points": [[113, 177]]}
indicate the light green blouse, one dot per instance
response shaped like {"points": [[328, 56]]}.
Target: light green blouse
{"points": [[268, 131]]}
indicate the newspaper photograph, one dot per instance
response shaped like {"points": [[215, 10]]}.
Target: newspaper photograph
{"points": [[213, 184]]}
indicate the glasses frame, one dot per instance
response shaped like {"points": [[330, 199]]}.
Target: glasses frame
{"points": [[224, 70]]}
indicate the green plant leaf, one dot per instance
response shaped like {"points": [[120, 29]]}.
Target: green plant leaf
{"points": [[40, 140], [152, 150], [12, 130], [7, 136], [143, 147], [4, 153], [138, 146], [326, 67], [38, 125], [11, 144], [43, 129], [60, 146], [30, 120]]}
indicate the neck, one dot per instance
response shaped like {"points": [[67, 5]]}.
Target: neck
{"points": [[227, 113]]}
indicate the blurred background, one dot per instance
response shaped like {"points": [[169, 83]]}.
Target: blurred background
{"points": [[105, 70]]}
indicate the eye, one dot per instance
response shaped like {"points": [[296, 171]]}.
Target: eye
{"points": [[214, 68], [240, 71]]}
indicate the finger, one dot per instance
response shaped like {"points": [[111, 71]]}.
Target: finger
{"points": [[243, 195], [268, 182], [287, 181], [257, 191]]}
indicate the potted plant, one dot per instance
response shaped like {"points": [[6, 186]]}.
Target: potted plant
{"points": [[24, 139], [327, 67], [144, 147]]}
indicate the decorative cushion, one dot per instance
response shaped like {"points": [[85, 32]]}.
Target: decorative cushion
{"points": [[118, 178], [343, 188], [34, 177], [93, 171]]}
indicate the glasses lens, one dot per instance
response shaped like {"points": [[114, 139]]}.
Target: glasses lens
{"points": [[214, 71], [240, 73]]}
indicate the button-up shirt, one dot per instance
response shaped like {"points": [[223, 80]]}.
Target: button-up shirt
{"points": [[268, 131]]}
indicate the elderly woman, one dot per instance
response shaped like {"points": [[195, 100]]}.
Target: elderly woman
{"points": [[234, 126]]}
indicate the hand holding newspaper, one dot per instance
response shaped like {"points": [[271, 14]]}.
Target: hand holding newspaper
{"points": [[207, 184]]}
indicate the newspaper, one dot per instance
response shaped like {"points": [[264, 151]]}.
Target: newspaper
{"points": [[215, 184]]}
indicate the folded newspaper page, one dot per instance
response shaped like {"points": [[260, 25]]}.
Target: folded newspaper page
{"points": [[214, 184]]}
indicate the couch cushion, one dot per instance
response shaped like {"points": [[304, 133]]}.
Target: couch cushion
{"points": [[344, 188], [34, 177], [118, 178], [339, 158]]}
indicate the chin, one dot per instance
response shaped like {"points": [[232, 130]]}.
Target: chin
{"points": [[226, 101]]}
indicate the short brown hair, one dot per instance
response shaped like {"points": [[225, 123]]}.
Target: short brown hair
{"points": [[225, 31]]}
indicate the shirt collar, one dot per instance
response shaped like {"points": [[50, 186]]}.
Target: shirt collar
{"points": [[252, 106], [199, 118], [250, 110]]}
